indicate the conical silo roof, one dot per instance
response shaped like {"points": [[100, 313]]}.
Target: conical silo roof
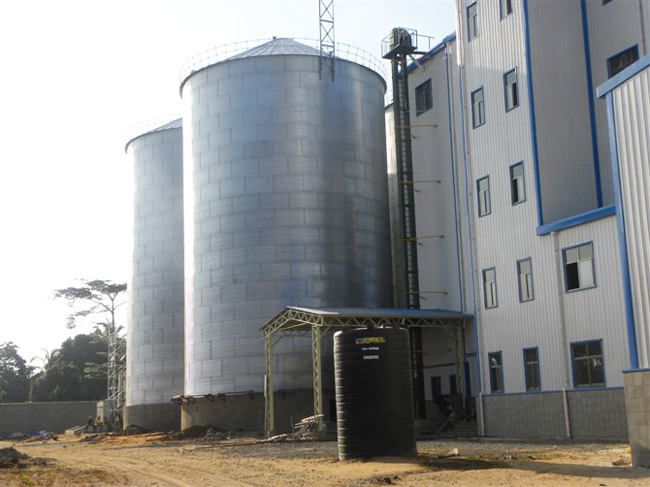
{"points": [[277, 47]]}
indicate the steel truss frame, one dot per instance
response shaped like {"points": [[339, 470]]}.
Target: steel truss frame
{"points": [[315, 323]]}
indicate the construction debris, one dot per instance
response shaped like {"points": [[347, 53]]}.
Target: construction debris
{"points": [[10, 457]]}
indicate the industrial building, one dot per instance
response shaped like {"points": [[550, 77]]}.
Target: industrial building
{"points": [[510, 141], [512, 230]]}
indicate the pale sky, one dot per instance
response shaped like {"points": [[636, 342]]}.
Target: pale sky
{"points": [[75, 77]]}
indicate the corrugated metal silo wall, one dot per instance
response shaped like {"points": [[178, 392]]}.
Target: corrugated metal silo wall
{"points": [[155, 290], [289, 206]]}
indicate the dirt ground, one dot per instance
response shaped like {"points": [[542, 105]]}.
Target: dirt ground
{"points": [[159, 460]]}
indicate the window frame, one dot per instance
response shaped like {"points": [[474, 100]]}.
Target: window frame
{"points": [[481, 106], [488, 201], [505, 8], [565, 264], [532, 285], [523, 183], [472, 20], [495, 303], [536, 370], [516, 90], [591, 384], [496, 373], [428, 105], [631, 48]]}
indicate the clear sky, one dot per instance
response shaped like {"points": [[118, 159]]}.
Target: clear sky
{"points": [[76, 75]]}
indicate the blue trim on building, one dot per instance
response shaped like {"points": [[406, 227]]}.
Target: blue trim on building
{"points": [[432, 52], [573, 365], [592, 109], [623, 76], [593, 267], [537, 371], [468, 209], [576, 220], [533, 122], [532, 281], [500, 370], [571, 391], [635, 370], [622, 237]]}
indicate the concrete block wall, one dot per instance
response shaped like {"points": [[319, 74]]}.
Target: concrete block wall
{"points": [[637, 404], [30, 417], [596, 414], [538, 415]]}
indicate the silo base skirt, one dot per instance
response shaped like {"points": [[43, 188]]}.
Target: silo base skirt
{"points": [[245, 411], [156, 417]]}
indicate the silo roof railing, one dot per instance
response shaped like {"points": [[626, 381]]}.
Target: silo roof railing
{"points": [[155, 124], [276, 47]]}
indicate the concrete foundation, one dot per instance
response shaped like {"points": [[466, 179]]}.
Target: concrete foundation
{"points": [[594, 414], [157, 417], [637, 405], [30, 417], [245, 412]]}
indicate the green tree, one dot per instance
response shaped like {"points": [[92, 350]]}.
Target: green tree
{"points": [[14, 374], [100, 297], [77, 372]]}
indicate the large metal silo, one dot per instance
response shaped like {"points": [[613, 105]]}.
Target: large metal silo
{"points": [[154, 366], [286, 204]]}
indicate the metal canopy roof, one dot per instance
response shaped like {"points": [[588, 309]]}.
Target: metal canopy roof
{"points": [[299, 321], [294, 321]]}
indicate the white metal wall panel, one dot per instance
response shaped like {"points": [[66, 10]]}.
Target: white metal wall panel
{"points": [[632, 115], [436, 205], [598, 313], [508, 233], [566, 159], [613, 27]]}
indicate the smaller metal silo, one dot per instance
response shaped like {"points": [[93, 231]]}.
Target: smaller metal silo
{"points": [[154, 362], [374, 393]]}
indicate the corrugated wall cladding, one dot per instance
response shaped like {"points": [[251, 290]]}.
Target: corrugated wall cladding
{"points": [[632, 119], [613, 27], [560, 89], [436, 172], [289, 206], [598, 313], [154, 365]]}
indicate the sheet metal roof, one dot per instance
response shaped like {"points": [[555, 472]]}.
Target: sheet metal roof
{"points": [[277, 47]]}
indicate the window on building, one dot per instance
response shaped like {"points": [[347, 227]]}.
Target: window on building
{"points": [[478, 108], [483, 192], [588, 370], [510, 90], [453, 384], [505, 8], [436, 387], [531, 363], [525, 273], [490, 288], [622, 60], [496, 372], [579, 267], [517, 183], [423, 98], [605, 2], [472, 21]]}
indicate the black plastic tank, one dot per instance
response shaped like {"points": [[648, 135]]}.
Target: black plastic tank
{"points": [[374, 393]]}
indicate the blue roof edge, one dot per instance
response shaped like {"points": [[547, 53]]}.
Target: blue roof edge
{"points": [[623, 76], [433, 52]]}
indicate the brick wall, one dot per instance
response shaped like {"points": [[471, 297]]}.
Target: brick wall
{"points": [[637, 404]]}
